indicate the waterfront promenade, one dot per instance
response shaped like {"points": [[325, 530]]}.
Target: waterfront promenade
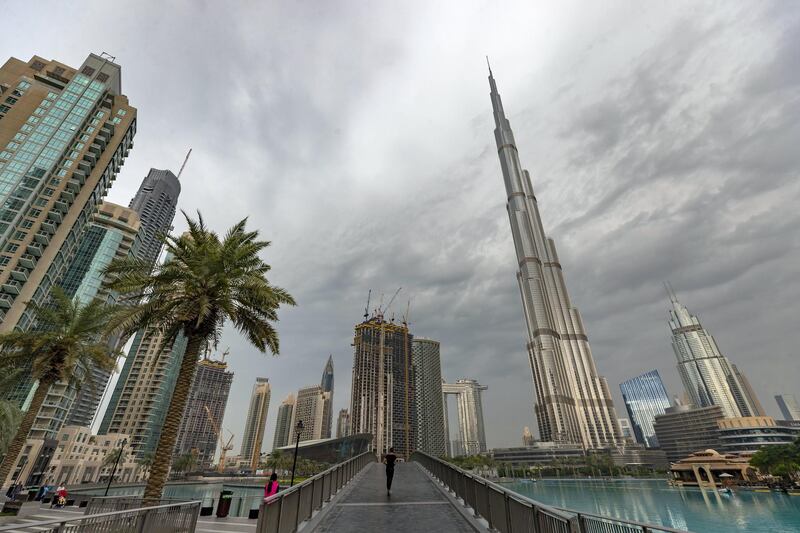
{"points": [[416, 504]]}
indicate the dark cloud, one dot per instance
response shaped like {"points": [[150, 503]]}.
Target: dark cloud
{"points": [[661, 140]]}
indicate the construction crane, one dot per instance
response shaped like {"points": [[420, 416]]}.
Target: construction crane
{"points": [[366, 309], [184, 163], [225, 446], [389, 305]]}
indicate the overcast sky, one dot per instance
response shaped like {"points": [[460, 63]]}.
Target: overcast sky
{"points": [[662, 139]]}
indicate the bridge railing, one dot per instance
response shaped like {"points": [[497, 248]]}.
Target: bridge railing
{"points": [[173, 518], [509, 512], [107, 504], [285, 511]]}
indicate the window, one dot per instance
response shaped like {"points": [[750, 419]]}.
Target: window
{"points": [[4, 260], [121, 112], [87, 70], [27, 224], [11, 248], [33, 213], [37, 66], [18, 236], [11, 100], [16, 92], [102, 77], [58, 71], [40, 202], [4, 109]]}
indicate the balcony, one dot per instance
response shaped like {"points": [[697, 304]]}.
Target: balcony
{"points": [[74, 186], [84, 167], [6, 301], [61, 206], [28, 261], [20, 275], [42, 237], [35, 249], [55, 216], [67, 196], [98, 146], [48, 226], [80, 176], [91, 158], [12, 287]]}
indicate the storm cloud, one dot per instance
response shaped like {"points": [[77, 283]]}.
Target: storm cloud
{"points": [[662, 141]]}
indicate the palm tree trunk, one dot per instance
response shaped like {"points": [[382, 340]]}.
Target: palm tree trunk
{"points": [[12, 454], [169, 432]]}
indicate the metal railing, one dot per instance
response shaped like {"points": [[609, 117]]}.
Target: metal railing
{"points": [[285, 511], [509, 512], [173, 518], [108, 504]]}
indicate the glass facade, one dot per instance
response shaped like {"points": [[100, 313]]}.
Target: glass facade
{"points": [[645, 398]]}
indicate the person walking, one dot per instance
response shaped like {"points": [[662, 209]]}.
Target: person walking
{"points": [[389, 459], [272, 487]]}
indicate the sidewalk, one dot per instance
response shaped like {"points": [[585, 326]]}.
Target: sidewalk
{"points": [[416, 504]]}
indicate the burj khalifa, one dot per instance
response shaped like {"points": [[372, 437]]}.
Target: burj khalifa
{"points": [[573, 403]]}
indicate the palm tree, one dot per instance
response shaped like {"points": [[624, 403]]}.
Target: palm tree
{"points": [[205, 282], [275, 460], [145, 461], [10, 415], [112, 456], [184, 463], [67, 334]]}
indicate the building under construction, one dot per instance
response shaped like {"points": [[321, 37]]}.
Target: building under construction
{"points": [[202, 418], [382, 401]]}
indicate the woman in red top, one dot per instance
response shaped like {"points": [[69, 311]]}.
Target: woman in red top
{"points": [[272, 486]]}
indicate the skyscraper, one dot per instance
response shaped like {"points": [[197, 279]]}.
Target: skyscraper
{"points": [[382, 401], [155, 201], [283, 425], [139, 403], [645, 398], [204, 412], [65, 134], [425, 357], [343, 424], [787, 403], [327, 386], [111, 235], [707, 375], [683, 430], [527, 437], [748, 392], [573, 403], [311, 406], [256, 422], [470, 415]]}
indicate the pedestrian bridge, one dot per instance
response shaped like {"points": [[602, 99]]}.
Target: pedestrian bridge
{"points": [[427, 494]]}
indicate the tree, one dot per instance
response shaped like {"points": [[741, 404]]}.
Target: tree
{"points": [[184, 463], [781, 461], [205, 282], [67, 334], [10, 415], [114, 455], [145, 461], [275, 460]]}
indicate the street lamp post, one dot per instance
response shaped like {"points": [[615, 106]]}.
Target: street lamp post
{"points": [[298, 430], [114, 470]]}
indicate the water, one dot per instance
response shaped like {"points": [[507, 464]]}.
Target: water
{"points": [[652, 501]]}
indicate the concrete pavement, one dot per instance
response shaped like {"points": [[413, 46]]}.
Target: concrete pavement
{"points": [[416, 504]]}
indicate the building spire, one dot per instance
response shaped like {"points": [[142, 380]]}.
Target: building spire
{"points": [[500, 120], [488, 65], [670, 292]]}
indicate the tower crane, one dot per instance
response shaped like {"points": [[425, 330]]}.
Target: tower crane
{"points": [[225, 446]]}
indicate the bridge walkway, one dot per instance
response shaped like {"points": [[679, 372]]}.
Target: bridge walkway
{"points": [[416, 503]]}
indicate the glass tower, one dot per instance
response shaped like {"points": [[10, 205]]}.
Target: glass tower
{"points": [[155, 201], [471, 430], [645, 398], [787, 403], [64, 135], [707, 375], [426, 359], [327, 386]]}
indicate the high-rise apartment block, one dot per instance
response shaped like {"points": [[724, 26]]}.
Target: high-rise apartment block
{"points": [[787, 403], [426, 359], [683, 430], [204, 412], [383, 400], [64, 134], [471, 429], [283, 425], [256, 422], [527, 437], [573, 403], [310, 407], [327, 386], [141, 398], [112, 234], [343, 424], [748, 393], [645, 398], [155, 202], [707, 375]]}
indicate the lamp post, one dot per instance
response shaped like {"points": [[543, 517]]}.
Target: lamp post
{"points": [[298, 430], [114, 470]]}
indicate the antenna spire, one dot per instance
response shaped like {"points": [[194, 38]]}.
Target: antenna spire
{"points": [[184, 163], [488, 65]]}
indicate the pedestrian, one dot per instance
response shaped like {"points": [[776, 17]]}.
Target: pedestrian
{"points": [[389, 460], [61, 496], [272, 487]]}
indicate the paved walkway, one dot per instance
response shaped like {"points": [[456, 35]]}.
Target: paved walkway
{"points": [[416, 504]]}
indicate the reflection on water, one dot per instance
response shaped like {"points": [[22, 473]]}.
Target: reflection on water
{"points": [[700, 511]]}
